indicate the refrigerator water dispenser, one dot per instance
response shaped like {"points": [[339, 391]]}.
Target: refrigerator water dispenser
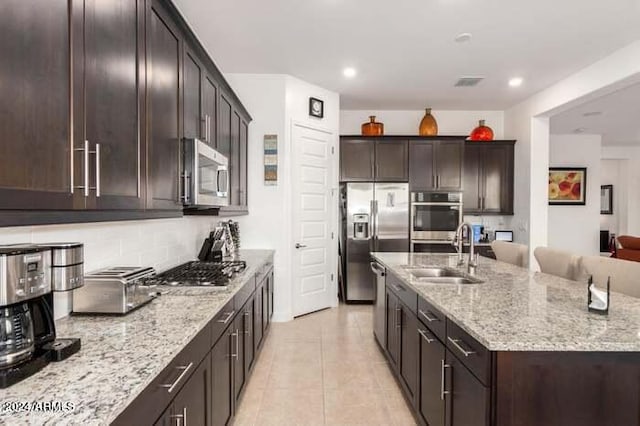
{"points": [[361, 226]]}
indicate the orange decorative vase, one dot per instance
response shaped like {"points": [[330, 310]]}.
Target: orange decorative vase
{"points": [[481, 133], [372, 128], [428, 125]]}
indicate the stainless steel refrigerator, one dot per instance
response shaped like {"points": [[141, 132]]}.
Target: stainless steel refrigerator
{"points": [[377, 219]]}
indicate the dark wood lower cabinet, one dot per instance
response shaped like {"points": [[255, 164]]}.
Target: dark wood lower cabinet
{"points": [[248, 336], [258, 325], [409, 350], [430, 398], [467, 400], [393, 324], [191, 404], [238, 355], [222, 380]]}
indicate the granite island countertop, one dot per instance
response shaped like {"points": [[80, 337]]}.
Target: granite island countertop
{"points": [[520, 310], [121, 355]]}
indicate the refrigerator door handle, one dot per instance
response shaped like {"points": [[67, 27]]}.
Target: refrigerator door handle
{"points": [[376, 226]]}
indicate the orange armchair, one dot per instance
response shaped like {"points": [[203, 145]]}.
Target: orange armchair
{"points": [[629, 248]]}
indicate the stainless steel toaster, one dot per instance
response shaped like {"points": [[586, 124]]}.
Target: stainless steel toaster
{"points": [[114, 290]]}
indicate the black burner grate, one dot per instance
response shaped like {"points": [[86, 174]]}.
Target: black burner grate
{"points": [[214, 274]]}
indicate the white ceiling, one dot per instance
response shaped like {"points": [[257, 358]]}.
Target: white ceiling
{"points": [[404, 50], [618, 121]]}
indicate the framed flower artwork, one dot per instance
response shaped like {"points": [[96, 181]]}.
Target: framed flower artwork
{"points": [[567, 186]]}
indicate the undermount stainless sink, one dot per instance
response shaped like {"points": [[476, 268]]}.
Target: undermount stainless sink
{"points": [[439, 275], [433, 272]]}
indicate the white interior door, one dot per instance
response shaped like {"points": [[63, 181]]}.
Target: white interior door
{"points": [[314, 246]]}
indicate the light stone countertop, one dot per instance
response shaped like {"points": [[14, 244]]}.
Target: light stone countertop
{"points": [[121, 355], [520, 310]]}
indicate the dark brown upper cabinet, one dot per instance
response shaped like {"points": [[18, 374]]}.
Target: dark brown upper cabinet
{"points": [[195, 124], [436, 165], [391, 161], [164, 50], [225, 127], [209, 109], [113, 105], [373, 160], [36, 165], [357, 160], [488, 178]]}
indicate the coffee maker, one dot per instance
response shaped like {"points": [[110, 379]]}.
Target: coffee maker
{"points": [[27, 327]]}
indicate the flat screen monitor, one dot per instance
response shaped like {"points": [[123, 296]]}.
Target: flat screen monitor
{"points": [[504, 236]]}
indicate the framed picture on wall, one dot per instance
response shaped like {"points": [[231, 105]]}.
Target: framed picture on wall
{"points": [[316, 108], [606, 199], [567, 186]]}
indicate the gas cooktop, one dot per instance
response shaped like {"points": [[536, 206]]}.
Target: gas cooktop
{"points": [[200, 274]]}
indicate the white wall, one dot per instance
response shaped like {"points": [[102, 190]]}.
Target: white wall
{"points": [[528, 123], [275, 101], [628, 204], [160, 243], [408, 122], [615, 172], [577, 228]]}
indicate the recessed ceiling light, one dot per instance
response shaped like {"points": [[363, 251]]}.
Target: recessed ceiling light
{"points": [[349, 72], [592, 113], [516, 82], [463, 37]]}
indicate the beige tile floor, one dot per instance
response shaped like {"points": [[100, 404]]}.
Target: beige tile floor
{"points": [[323, 369]]}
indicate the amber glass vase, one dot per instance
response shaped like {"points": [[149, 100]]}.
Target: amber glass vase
{"points": [[372, 128], [428, 125], [481, 133]]}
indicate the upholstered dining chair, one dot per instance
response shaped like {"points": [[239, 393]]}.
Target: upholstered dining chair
{"points": [[558, 262], [625, 274], [515, 254]]}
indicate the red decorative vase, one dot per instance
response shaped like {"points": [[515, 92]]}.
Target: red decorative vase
{"points": [[481, 133]]}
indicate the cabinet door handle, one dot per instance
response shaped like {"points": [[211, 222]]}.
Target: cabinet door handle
{"points": [[398, 317], [181, 419], [97, 153], [237, 345], [425, 337], [443, 366], [186, 179], [226, 320], [171, 386], [427, 317], [247, 330], [456, 344], [85, 183]]}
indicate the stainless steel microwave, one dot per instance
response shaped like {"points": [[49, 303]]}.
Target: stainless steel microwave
{"points": [[205, 176]]}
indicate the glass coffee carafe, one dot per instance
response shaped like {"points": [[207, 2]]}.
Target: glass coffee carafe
{"points": [[16, 334]]}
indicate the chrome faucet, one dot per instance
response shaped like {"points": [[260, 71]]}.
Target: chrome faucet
{"points": [[472, 263]]}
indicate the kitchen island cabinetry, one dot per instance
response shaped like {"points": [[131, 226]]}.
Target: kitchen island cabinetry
{"points": [[471, 370]]}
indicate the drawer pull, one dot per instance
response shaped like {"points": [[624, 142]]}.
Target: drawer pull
{"points": [[425, 337], [427, 317], [172, 386], [455, 342], [229, 316], [399, 287]]}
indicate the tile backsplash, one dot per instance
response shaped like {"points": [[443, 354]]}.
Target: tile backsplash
{"points": [[160, 243]]}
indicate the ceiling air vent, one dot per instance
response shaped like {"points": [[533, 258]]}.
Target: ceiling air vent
{"points": [[468, 81]]}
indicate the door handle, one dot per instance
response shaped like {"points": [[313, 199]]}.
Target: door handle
{"points": [[443, 392], [299, 246], [425, 337]]}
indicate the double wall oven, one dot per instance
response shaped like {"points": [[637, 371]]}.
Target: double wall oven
{"points": [[435, 216]]}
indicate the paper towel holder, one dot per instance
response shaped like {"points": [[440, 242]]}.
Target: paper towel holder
{"points": [[604, 311]]}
